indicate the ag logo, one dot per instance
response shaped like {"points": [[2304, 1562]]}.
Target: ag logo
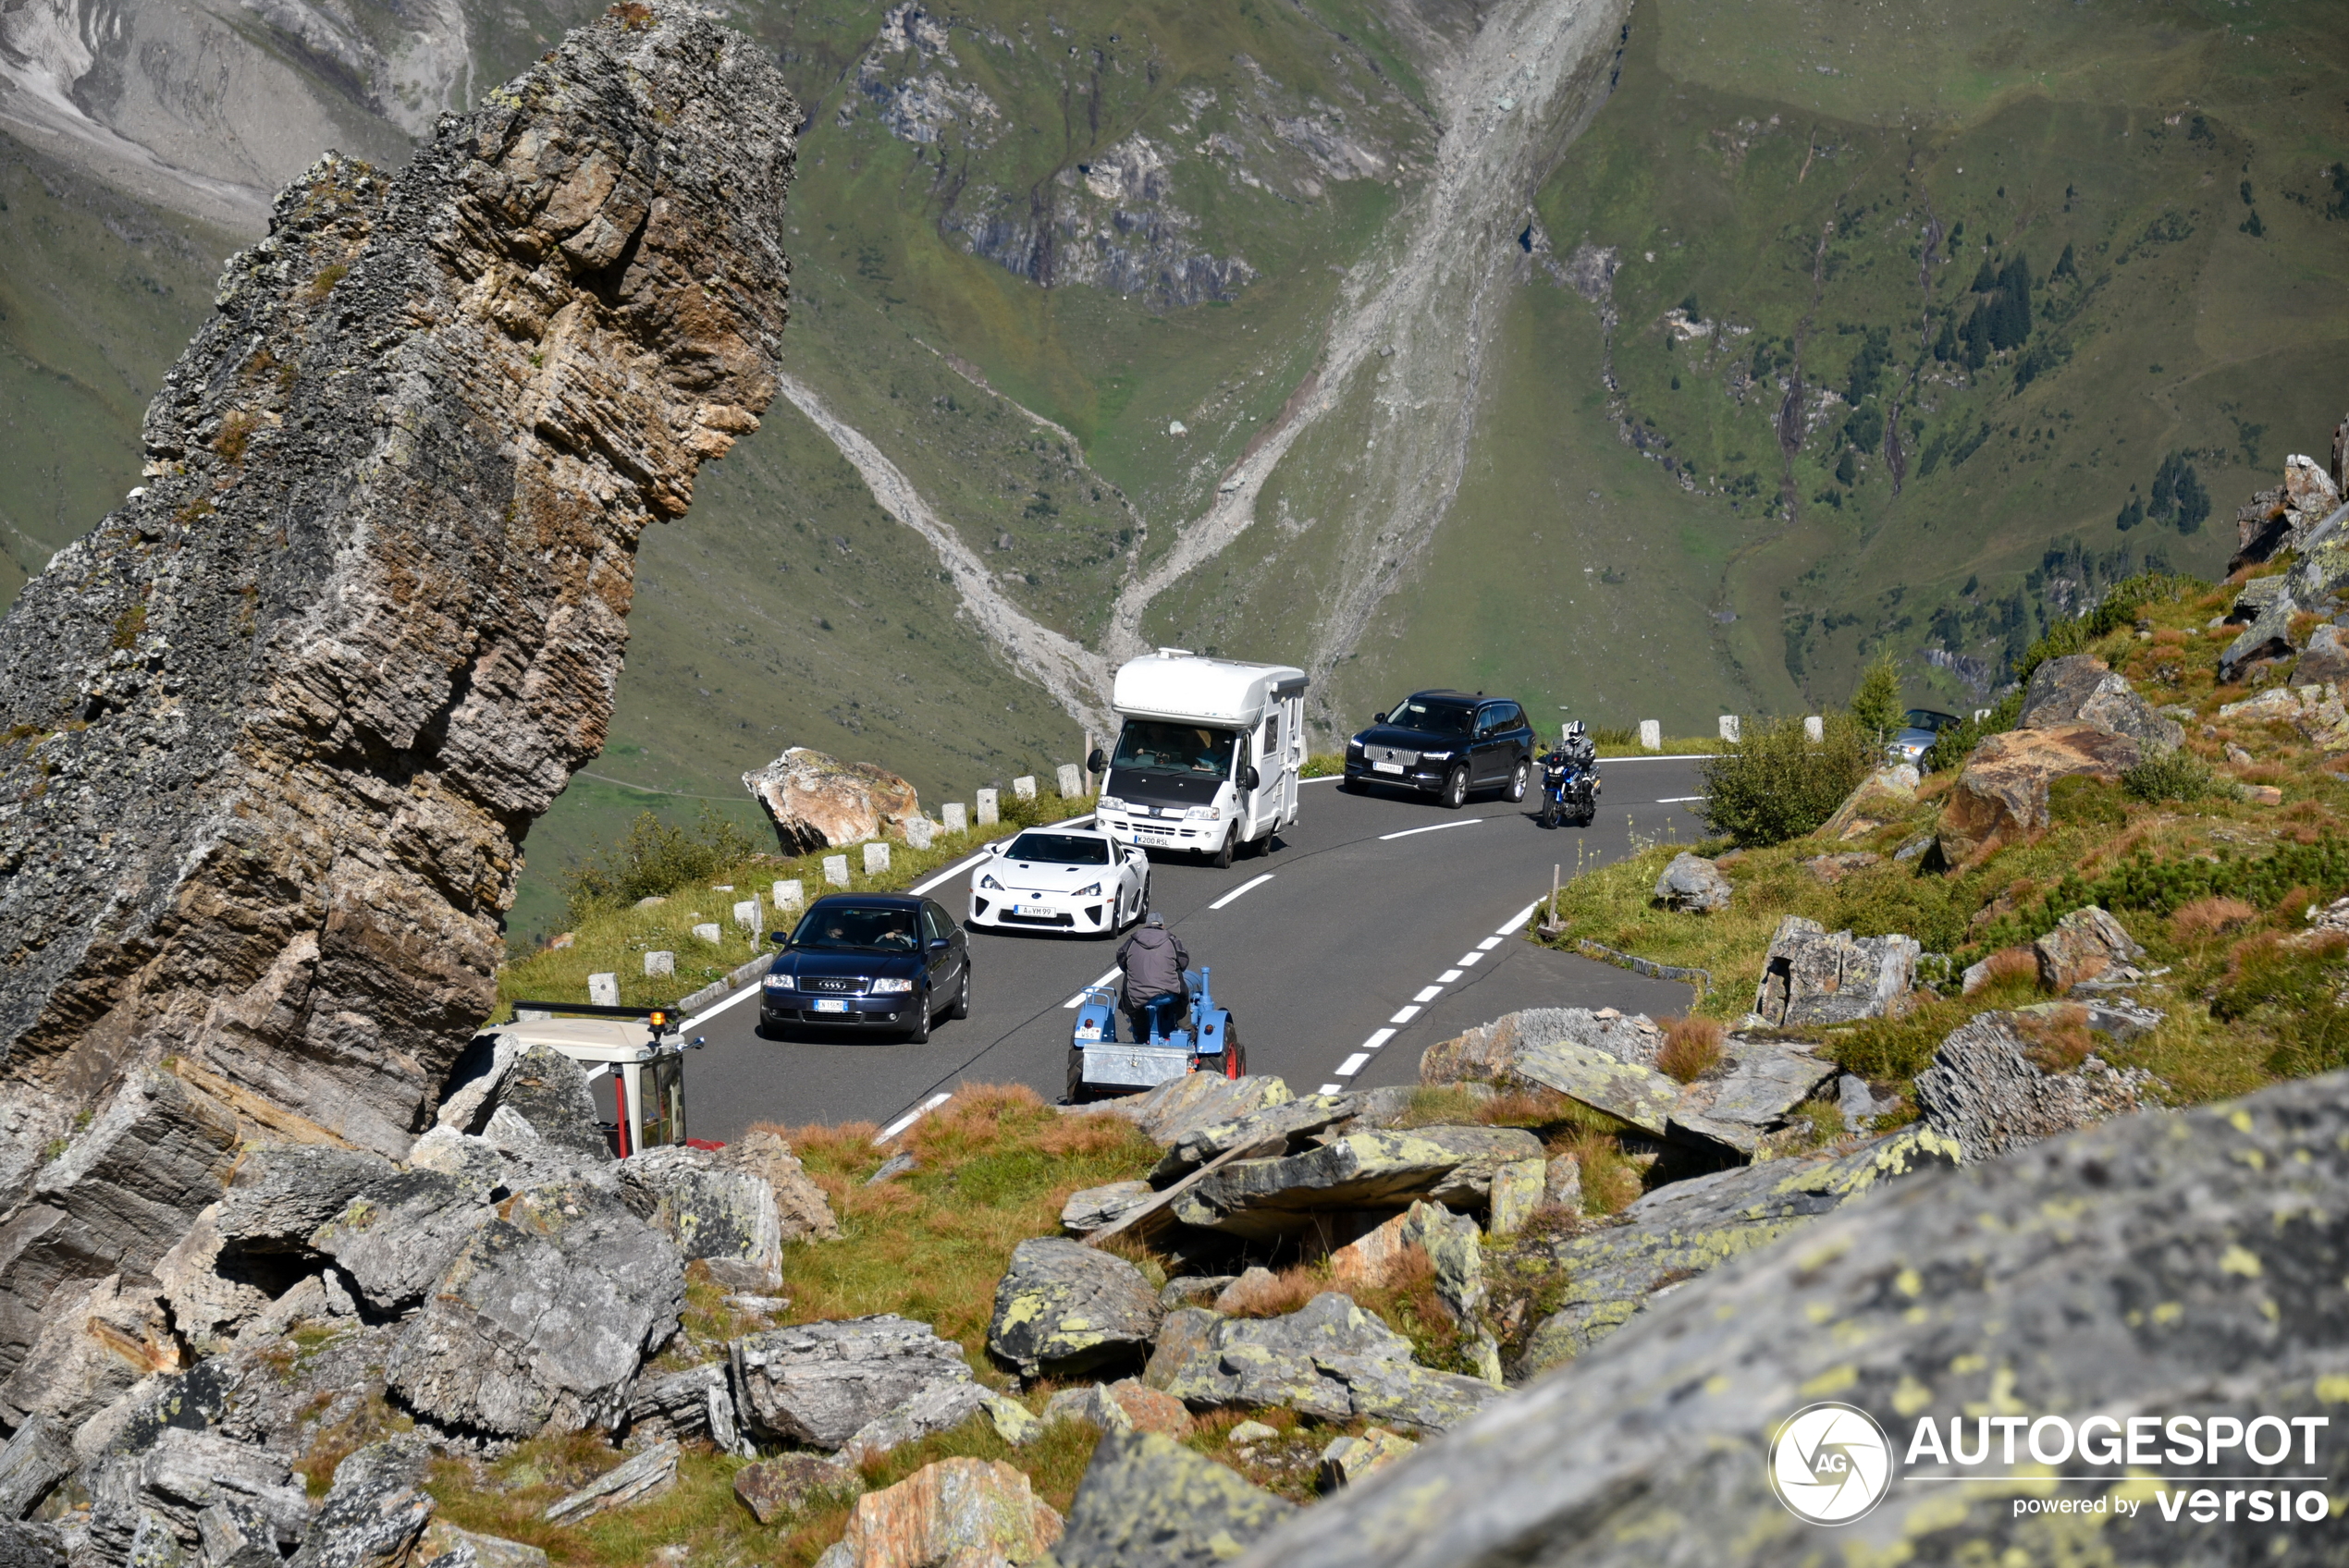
{"points": [[1831, 1463]]}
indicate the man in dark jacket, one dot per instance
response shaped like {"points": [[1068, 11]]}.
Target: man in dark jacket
{"points": [[1154, 959]]}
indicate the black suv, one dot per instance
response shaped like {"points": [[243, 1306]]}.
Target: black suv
{"points": [[1445, 744]]}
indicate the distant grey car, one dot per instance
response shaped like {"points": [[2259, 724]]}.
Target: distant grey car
{"points": [[1919, 729]]}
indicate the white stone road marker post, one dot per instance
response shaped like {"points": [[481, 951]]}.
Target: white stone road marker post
{"points": [[990, 811], [1023, 787], [603, 990], [1729, 727], [1814, 729], [1651, 734], [836, 870], [659, 964], [919, 833], [876, 859], [956, 816], [748, 915], [789, 895]]}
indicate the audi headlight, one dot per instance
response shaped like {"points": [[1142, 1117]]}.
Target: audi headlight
{"points": [[1108, 803], [891, 987], [1092, 892], [1202, 813], [990, 883], [779, 983]]}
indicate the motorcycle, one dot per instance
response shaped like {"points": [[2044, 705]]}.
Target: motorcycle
{"points": [[1569, 789]]}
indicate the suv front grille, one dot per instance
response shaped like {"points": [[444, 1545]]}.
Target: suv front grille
{"points": [[1388, 754]]}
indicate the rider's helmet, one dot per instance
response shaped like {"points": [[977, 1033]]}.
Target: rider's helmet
{"points": [[1574, 729]]}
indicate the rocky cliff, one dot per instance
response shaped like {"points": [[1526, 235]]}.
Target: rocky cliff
{"points": [[270, 736]]}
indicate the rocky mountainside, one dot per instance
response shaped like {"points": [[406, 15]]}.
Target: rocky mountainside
{"points": [[275, 729]]}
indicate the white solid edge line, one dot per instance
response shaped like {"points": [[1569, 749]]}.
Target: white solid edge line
{"points": [[1375, 1041], [1681, 799], [914, 1115], [1516, 921], [961, 866], [1405, 1016], [1234, 893], [1487, 945], [1660, 756], [1353, 1064], [715, 1009], [1435, 827], [1078, 999]]}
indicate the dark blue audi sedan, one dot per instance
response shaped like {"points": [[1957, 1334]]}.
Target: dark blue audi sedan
{"points": [[888, 961]]}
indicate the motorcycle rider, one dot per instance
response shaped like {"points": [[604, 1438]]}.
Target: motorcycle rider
{"points": [[1154, 959], [1572, 763]]}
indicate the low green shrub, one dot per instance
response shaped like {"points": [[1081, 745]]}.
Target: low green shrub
{"points": [[2294, 993], [2175, 774], [1776, 784], [654, 859]]}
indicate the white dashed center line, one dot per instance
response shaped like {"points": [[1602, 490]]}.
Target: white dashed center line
{"points": [[1405, 1016], [1487, 945], [1352, 1064], [1437, 828], [1681, 799], [1447, 977], [1243, 887], [912, 1116], [1355, 1063], [1078, 999], [1375, 1041], [1467, 959]]}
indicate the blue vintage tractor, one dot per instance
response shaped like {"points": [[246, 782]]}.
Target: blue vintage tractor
{"points": [[1187, 1035]]}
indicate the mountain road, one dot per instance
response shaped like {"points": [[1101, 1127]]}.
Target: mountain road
{"points": [[1376, 926]]}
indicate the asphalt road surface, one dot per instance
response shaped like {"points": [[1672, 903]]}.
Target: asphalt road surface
{"points": [[1376, 926]]}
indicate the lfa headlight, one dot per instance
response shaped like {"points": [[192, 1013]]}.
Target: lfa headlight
{"points": [[989, 883], [1092, 892], [891, 987]]}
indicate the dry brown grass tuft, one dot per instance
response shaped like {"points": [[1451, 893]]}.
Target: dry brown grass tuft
{"points": [[2058, 1041], [1691, 1048], [2205, 918], [2012, 966], [1282, 1292]]}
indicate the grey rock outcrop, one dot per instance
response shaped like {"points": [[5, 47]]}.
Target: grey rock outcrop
{"points": [[36, 1458], [652, 1471], [549, 1092], [1265, 1199], [1062, 1308], [818, 1383], [1750, 1093], [1091, 1208], [2325, 661], [1986, 1093], [279, 1194], [1148, 1502], [182, 1473], [1692, 884], [1812, 976], [1329, 1359], [722, 1214], [1688, 1227], [1493, 1052], [2086, 944], [1482, 1151], [2083, 688], [287, 711], [802, 1210], [542, 1318], [376, 1510], [395, 1239], [1292, 1122], [31, 1546], [814, 801], [443, 1545], [99, 1341], [2028, 1284], [2268, 637], [696, 1402], [1192, 1101]]}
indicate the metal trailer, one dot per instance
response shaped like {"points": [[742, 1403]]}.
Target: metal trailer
{"points": [[1204, 1041], [634, 1047]]}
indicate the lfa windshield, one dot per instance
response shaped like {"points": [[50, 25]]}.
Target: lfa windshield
{"points": [[1148, 745]]}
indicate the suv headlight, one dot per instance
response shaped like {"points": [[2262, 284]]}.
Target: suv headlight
{"points": [[1108, 803], [1435, 757], [991, 883], [1202, 813], [779, 983], [886, 987], [1093, 891], [1355, 744]]}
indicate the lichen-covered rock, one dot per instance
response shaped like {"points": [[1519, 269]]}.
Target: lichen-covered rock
{"points": [[1489, 1053], [374, 1513], [1263, 1199], [396, 1238], [1148, 1502], [1984, 1091], [365, 614], [2325, 661], [1517, 1191], [2001, 793], [542, 1318], [1688, 1227], [1328, 1359], [1750, 1091], [2268, 637], [1638, 1094], [1062, 1308], [31, 1546], [1192, 1101], [234, 1534], [443, 1545], [724, 1215], [1692, 884], [1093, 1208], [1126, 1406], [549, 1093], [123, 1194], [100, 1339], [941, 1407], [649, 1473], [1482, 1151], [183, 1472], [2083, 688], [279, 1194], [2154, 1264], [1291, 1122], [36, 1458], [816, 802], [696, 1402], [1811, 975], [954, 1512], [816, 1383], [2085, 944], [1188, 1332], [1882, 797]]}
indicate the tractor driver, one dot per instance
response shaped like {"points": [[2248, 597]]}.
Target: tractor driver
{"points": [[1154, 959]]}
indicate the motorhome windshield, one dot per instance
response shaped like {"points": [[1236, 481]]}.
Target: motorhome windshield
{"points": [[1150, 746]]}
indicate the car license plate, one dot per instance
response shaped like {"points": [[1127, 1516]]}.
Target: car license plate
{"points": [[1386, 767], [1034, 911], [830, 1005]]}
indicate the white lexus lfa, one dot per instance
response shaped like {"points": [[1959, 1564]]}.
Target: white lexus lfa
{"points": [[1071, 879]]}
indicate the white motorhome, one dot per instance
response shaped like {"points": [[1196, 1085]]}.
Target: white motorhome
{"points": [[1208, 758]]}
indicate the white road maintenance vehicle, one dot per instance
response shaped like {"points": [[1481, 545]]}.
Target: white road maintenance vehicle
{"points": [[1207, 760], [636, 1065]]}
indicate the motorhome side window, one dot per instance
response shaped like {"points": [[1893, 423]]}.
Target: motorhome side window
{"points": [[1272, 734], [1148, 745]]}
